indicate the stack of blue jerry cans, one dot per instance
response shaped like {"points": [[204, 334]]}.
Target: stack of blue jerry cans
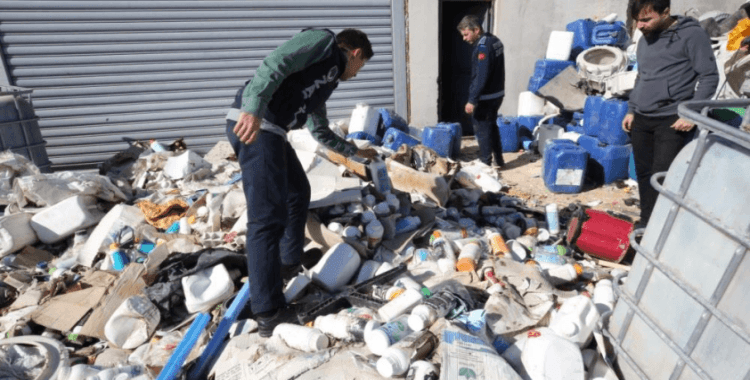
{"points": [[444, 139], [614, 34], [394, 138], [607, 144], [582, 30]]}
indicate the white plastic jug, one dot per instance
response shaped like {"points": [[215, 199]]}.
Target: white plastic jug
{"points": [[177, 167], [207, 288], [296, 287], [132, 323], [336, 267], [560, 45], [364, 119], [530, 104], [575, 320], [367, 270], [15, 233], [57, 222], [547, 356]]}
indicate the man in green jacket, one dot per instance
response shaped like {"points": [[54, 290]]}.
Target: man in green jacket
{"points": [[288, 91]]}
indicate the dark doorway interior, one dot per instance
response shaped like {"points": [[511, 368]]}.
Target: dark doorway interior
{"points": [[455, 60]]}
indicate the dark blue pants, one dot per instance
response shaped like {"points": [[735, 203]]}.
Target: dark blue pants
{"points": [[655, 146], [278, 195], [484, 120]]}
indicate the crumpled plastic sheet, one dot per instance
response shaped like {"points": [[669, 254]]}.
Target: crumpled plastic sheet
{"points": [[49, 189], [13, 166]]}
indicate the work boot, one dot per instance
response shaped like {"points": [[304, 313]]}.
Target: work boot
{"points": [[288, 272], [268, 321]]}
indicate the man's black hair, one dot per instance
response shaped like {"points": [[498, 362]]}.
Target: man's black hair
{"points": [[351, 39], [636, 6]]}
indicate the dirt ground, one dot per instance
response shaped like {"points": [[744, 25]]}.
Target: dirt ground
{"points": [[523, 176]]}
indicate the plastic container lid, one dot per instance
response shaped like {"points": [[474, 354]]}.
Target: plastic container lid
{"points": [[465, 265], [421, 318], [392, 364]]}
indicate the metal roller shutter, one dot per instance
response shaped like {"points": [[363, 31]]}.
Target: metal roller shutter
{"points": [[106, 72]]}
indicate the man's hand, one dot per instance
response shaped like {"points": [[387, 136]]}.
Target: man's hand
{"points": [[367, 153], [682, 125], [469, 108], [627, 122], [247, 127]]}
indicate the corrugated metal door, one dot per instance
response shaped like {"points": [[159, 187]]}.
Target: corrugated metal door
{"points": [[104, 72]]}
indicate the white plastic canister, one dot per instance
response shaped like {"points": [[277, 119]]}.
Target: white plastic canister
{"points": [[364, 119], [547, 356], [207, 288], [530, 104], [560, 45], [301, 337], [57, 222], [15, 233], [132, 323], [575, 320], [336, 267]]}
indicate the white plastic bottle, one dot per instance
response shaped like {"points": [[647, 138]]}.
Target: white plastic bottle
{"points": [[379, 339], [344, 327], [563, 274], [380, 178], [301, 337], [129, 371], [374, 231], [407, 282], [337, 266], [548, 356], [604, 296], [431, 309], [400, 305], [422, 370], [553, 221], [397, 358], [467, 260], [575, 320]]}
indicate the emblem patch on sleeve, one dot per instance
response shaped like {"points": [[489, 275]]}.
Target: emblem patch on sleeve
{"points": [[482, 56]]}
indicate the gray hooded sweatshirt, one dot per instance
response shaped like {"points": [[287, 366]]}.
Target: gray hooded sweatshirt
{"points": [[669, 66]]}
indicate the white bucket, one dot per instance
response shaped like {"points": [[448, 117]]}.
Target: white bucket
{"points": [[15, 233], [547, 356], [336, 267], [132, 323], [576, 320], [559, 46], [57, 222], [364, 119], [207, 288], [530, 104]]}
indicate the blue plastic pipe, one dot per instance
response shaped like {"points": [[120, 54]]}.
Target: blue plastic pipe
{"points": [[212, 350], [173, 366]]}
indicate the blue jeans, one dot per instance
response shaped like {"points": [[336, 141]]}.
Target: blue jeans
{"points": [[484, 120], [278, 196]]}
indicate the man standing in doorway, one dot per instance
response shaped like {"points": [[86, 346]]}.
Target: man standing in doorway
{"points": [[487, 87], [288, 91], [675, 63]]}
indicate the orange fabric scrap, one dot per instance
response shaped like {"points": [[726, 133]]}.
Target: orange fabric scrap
{"points": [[164, 215]]}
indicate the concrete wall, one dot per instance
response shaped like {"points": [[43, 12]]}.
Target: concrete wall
{"points": [[422, 61], [523, 26]]}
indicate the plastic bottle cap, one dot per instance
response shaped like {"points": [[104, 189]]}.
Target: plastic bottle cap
{"points": [[387, 366], [377, 341], [578, 268], [417, 322], [318, 341], [465, 265]]}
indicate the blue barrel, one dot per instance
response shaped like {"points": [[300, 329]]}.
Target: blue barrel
{"points": [[394, 138], [614, 34], [438, 139], [375, 140], [610, 131], [509, 138], [526, 125], [631, 167], [456, 138], [582, 30], [544, 71], [391, 119], [607, 163], [592, 115], [564, 167]]}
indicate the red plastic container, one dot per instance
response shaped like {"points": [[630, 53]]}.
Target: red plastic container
{"points": [[600, 234]]}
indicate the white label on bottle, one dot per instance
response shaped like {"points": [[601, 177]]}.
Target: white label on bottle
{"points": [[569, 177]]}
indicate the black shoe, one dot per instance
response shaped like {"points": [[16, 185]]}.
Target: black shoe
{"points": [[266, 324], [288, 272]]}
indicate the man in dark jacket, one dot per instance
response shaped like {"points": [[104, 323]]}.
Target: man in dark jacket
{"points": [[487, 87], [288, 91], [675, 63]]}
